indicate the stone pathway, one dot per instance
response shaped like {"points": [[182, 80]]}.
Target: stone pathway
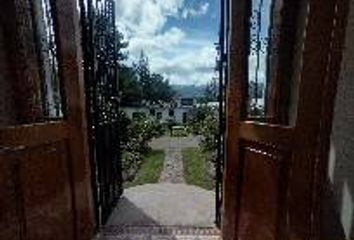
{"points": [[173, 165], [168, 210]]}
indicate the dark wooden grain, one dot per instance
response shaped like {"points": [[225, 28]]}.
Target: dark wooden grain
{"points": [[315, 55], [70, 66], [328, 224], [11, 217], [281, 60], [47, 202], [275, 172], [33, 134], [260, 192], [261, 132], [44, 169], [22, 60], [235, 94]]}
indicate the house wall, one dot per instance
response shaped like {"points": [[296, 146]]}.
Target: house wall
{"points": [[130, 110], [341, 161], [178, 113]]}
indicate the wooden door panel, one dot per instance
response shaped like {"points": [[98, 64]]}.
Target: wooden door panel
{"points": [[10, 217], [45, 181], [266, 133], [301, 195], [34, 134], [262, 192], [44, 168], [274, 173]]}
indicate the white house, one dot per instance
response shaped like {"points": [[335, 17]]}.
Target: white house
{"points": [[178, 112]]}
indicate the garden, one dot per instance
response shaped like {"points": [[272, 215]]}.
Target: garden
{"points": [[142, 164], [139, 162]]}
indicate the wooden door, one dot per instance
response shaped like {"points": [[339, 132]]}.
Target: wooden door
{"points": [[282, 57], [44, 170]]}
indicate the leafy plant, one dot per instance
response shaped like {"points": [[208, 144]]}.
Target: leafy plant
{"points": [[135, 136], [205, 122], [197, 118]]}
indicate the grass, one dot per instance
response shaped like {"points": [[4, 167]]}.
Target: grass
{"points": [[196, 168], [150, 169]]}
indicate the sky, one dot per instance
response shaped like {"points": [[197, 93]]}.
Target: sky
{"points": [[177, 36]]}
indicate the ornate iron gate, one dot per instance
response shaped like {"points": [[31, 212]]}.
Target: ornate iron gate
{"points": [[223, 76], [99, 42]]}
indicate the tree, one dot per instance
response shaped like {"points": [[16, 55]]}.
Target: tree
{"points": [[138, 83], [155, 87], [211, 91], [144, 77], [160, 89], [131, 91], [121, 46]]}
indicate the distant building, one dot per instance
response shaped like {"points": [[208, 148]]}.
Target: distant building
{"points": [[178, 112]]}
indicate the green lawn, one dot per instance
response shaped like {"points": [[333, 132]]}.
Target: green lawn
{"points": [[196, 168], [150, 170]]}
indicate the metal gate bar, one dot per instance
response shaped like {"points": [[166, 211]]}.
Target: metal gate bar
{"points": [[223, 75], [99, 43]]}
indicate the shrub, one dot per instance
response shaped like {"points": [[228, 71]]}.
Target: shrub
{"points": [[197, 117], [205, 122], [135, 136]]}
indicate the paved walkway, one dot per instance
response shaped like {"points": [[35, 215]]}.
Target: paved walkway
{"points": [[163, 211], [173, 165], [165, 204], [168, 210]]}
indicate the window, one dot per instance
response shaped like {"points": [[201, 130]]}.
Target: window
{"points": [[187, 101], [159, 116], [185, 116], [152, 112], [138, 115], [171, 113]]}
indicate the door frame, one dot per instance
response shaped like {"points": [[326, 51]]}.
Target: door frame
{"points": [[72, 128], [70, 62], [318, 46]]}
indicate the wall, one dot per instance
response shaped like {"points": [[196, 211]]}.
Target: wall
{"points": [[341, 164], [178, 113]]}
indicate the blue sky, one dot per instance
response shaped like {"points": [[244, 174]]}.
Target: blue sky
{"points": [[178, 36]]}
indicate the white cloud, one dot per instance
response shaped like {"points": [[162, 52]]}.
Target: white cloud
{"points": [[156, 43], [200, 59], [187, 65], [194, 12], [171, 52], [145, 17]]}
